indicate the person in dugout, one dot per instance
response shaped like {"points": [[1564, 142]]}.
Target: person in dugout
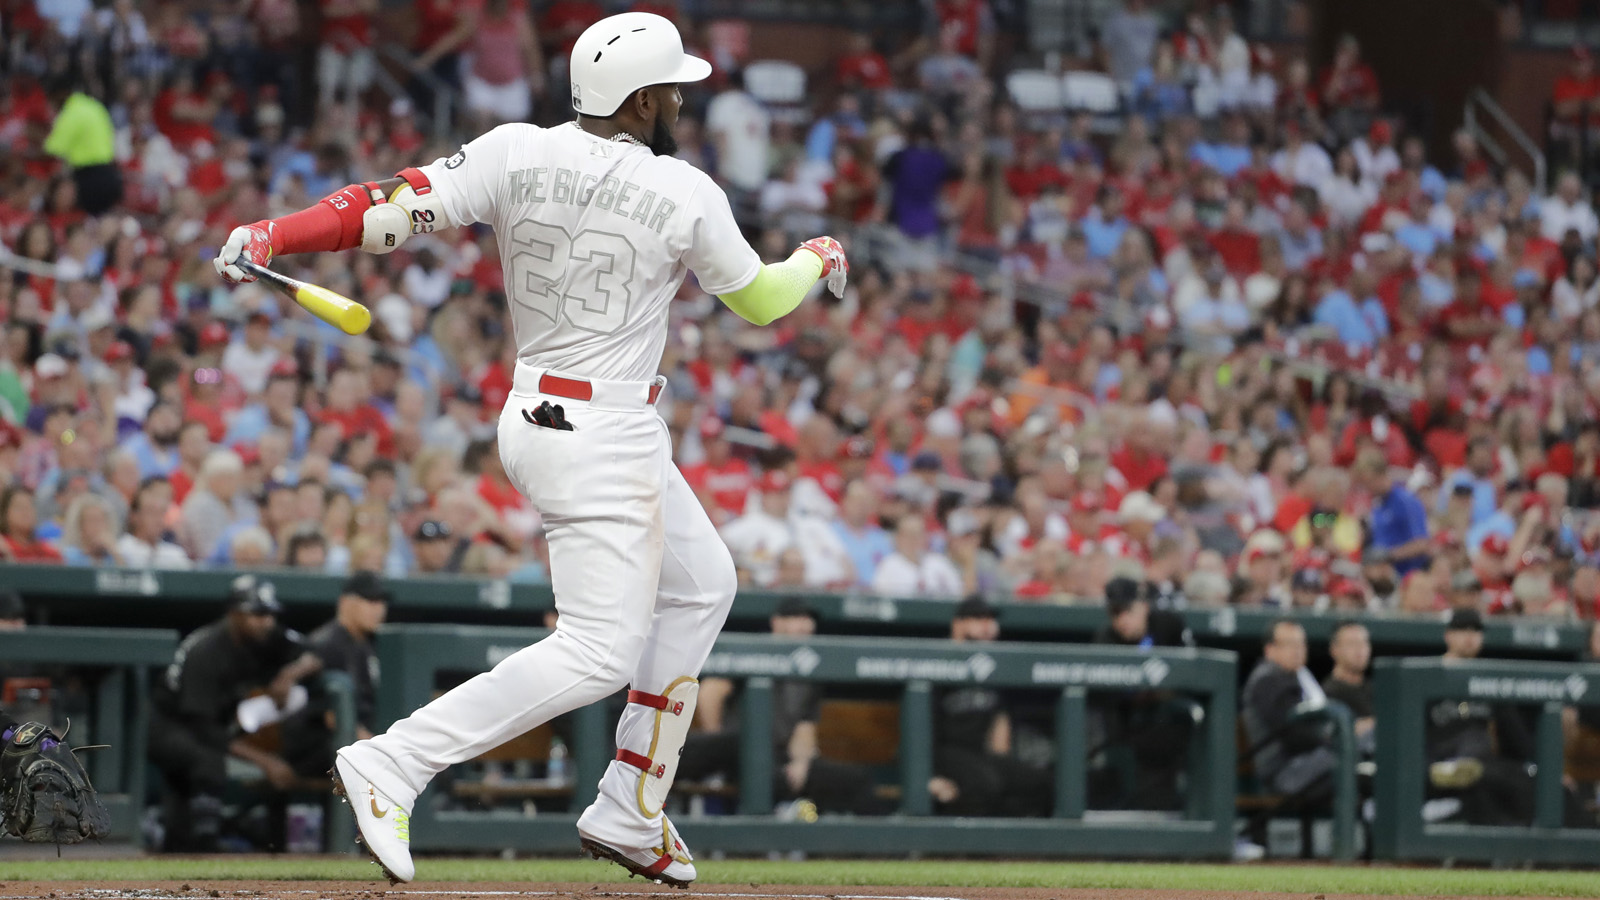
{"points": [[802, 773], [194, 725], [975, 772], [343, 644]]}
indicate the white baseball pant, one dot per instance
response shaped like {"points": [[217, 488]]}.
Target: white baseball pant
{"points": [[643, 584]]}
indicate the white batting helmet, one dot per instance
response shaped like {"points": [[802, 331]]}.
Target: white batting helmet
{"points": [[618, 55]]}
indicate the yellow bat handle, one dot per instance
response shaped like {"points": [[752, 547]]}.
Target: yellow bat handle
{"points": [[339, 311]]}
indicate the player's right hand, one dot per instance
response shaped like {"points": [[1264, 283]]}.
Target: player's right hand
{"points": [[253, 242], [835, 268]]}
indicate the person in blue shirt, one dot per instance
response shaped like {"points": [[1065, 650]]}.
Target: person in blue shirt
{"points": [[1413, 157], [276, 510], [1416, 234], [1299, 238], [845, 123], [865, 541], [1475, 475], [1357, 325], [1228, 155], [320, 172], [1104, 225], [1078, 145], [1503, 520], [1399, 526], [279, 408], [155, 448]]}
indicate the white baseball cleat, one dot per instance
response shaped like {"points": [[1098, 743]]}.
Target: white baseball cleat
{"points": [[668, 863], [382, 825]]}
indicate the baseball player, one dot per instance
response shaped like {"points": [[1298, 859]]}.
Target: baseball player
{"points": [[597, 224]]}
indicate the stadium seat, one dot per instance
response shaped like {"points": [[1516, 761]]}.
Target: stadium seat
{"points": [[1090, 92], [1035, 91], [781, 85]]}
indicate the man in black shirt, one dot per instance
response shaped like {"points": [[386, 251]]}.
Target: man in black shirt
{"points": [[974, 771], [1153, 728], [796, 706], [1477, 751], [1351, 649], [1293, 758], [343, 644], [194, 728], [13, 615]]}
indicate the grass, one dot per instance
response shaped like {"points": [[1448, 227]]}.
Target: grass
{"points": [[927, 873]]}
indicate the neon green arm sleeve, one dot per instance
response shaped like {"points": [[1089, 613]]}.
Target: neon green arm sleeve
{"points": [[777, 289]]}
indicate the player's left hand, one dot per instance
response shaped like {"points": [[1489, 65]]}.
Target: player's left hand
{"points": [[253, 242], [835, 268]]}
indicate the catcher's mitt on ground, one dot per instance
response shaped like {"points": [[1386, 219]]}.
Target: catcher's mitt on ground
{"points": [[45, 795]]}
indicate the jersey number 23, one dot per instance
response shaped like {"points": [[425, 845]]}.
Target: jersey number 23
{"points": [[581, 277]]}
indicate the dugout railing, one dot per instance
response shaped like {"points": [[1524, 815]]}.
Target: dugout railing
{"points": [[1405, 690], [100, 596], [413, 658]]}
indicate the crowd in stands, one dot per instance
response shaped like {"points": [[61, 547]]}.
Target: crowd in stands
{"points": [[1248, 341]]}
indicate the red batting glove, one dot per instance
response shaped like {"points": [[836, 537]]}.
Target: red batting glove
{"points": [[835, 268], [252, 242]]}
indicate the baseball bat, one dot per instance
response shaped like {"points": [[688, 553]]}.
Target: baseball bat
{"points": [[337, 310]]}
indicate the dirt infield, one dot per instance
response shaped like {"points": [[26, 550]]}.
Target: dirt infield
{"points": [[345, 890]]}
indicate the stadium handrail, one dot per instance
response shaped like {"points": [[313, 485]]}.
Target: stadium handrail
{"points": [[102, 592]]}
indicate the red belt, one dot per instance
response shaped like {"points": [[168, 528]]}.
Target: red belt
{"points": [[581, 389]]}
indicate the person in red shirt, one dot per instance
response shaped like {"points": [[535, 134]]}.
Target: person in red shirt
{"points": [[1033, 171], [722, 481], [1137, 516], [1349, 83], [345, 59], [1297, 99], [184, 113], [404, 136], [443, 27], [1086, 521], [1140, 458], [817, 454], [204, 404], [1576, 95], [347, 407], [853, 192], [1259, 175], [971, 204], [1375, 427], [718, 370], [1048, 571], [194, 444], [968, 26], [496, 489], [1528, 250], [24, 112], [19, 519], [563, 21], [1468, 321], [862, 66], [1239, 247], [1579, 458]]}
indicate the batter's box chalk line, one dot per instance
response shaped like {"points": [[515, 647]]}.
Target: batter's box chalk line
{"points": [[114, 894]]}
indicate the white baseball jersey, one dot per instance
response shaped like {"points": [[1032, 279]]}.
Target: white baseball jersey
{"points": [[595, 236]]}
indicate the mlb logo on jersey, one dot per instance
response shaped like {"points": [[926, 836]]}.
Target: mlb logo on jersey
{"points": [[577, 96]]}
